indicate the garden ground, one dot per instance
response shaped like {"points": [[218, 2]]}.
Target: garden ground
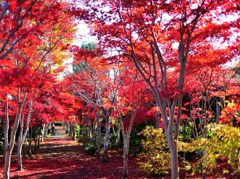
{"points": [[59, 157]]}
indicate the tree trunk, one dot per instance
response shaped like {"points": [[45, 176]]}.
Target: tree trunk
{"points": [[22, 136], [38, 139], [157, 121], [19, 146], [118, 134], [6, 130], [19, 157], [168, 127], [35, 139], [74, 132], [43, 132], [30, 142], [90, 127], [68, 129], [174, 157], [99, 140], [7, 162], [179, 114], [203, 163], [125, 155], [8, 152], [218, 109], [126, 134], [6, 146], [105, 150], [205, 122], [125, 166], [10, 145]]}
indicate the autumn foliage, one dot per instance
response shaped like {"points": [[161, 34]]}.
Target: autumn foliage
{"points": [[170, 64]]}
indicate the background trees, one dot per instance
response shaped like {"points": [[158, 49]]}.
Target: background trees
{"points": [[165, 59], [30, 32], [162, 38]]}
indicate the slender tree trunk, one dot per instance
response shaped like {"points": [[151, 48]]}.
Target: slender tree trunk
{"points": [[43, 132], [90, 127], [19, 157], [22, 136], [38, 141], [126, 137], [68, 129], [118, 134], [9, 149], [172, 143], [7, 163], [74, 132], [10, 145], [6, 130], [90, 131], [157, 121], [174, 157], [6, 143], [179, 114], [125, 155], [20, 144], [218, 109], [84, 130], [37, 138], [30, 142], [99, 140], [107, 130], [205, 122]]}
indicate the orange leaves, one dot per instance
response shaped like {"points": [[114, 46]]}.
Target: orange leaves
{"points": [[106, 103], [230, 113]]}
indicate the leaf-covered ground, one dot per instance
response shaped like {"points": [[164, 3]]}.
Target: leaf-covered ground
{"points": [[59, 157]]}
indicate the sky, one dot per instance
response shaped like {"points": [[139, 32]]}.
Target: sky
{"points": [[83, 34], [82, 37]]}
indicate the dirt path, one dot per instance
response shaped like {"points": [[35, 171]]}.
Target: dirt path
{"points": [[59, 157]]}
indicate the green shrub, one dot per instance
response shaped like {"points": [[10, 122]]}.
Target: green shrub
{"points": [[155, 154], [223, 142], [78, 131], [58, 123], [113, 143], [186, 131], [1, 146], [90, 148], [1, 140], [135, 146], [89, 145]]}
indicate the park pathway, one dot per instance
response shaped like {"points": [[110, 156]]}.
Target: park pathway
{"points": [[59, 157]]}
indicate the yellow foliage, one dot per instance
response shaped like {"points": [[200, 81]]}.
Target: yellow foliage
{"points": [[156, 152], [223, 142]]}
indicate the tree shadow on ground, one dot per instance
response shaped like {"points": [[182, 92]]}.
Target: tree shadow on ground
{"points": [[61, 157]]}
